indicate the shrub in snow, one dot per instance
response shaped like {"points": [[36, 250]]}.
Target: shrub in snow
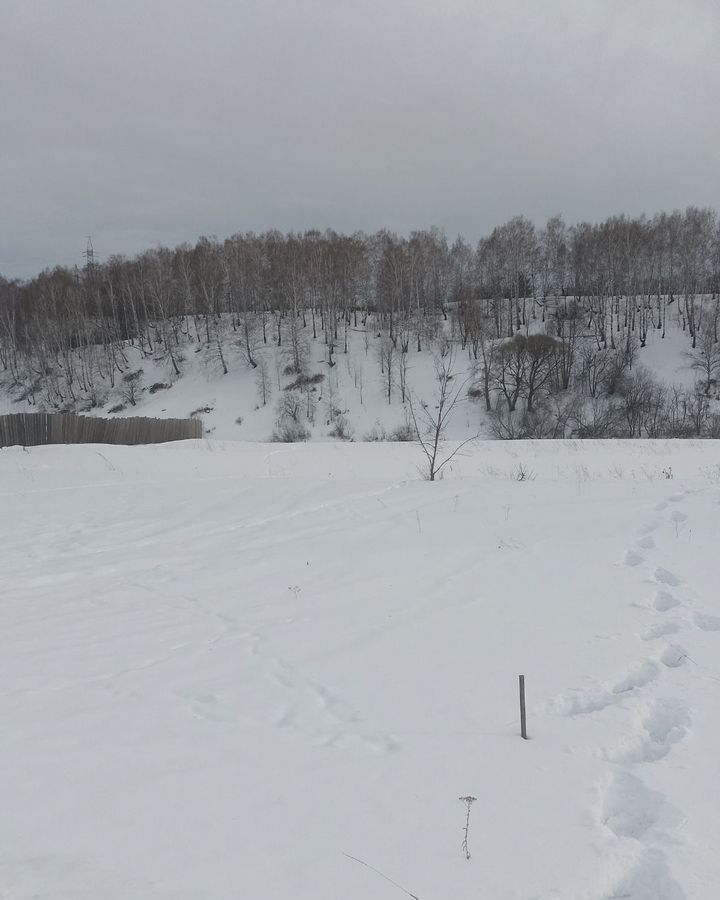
{"points": [[404, 432], [522, 473], [292, 411], [713, 426], [201, 410], [289, 432], [376, 433], [342, 429], [303, 381], [131, 386]]}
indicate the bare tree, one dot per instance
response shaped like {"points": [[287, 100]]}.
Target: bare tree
{"points": [[298, 347], [386, 356], [541, 351], [488, 344], [262, 379], [511, 371], [402, 374], [430, 422], [131, 386], [641, 400], [250, 343], [215, 337], [358, 378], [705, 361], [330, 398]]}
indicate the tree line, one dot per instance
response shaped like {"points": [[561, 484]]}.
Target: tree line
{"points": [[538, 310]]}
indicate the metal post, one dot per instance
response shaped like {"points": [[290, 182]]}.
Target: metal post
{"points": [[523, 720]]}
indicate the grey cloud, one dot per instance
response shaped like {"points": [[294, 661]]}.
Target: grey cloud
{"points": [[155, 121]]}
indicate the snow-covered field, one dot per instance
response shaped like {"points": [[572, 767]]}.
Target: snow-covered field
{"points": [[226, 666]]}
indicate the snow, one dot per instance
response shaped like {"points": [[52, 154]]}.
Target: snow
{"points": [[231, 405], [225, 666]]}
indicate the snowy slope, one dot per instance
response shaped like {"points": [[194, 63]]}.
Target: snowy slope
{"points": [[356, 383], [231, 405], [224, 666]]}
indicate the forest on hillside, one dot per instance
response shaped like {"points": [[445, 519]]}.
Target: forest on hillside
{"points": [[551, 320]]}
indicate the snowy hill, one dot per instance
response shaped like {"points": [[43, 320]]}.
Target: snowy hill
{"points": [[231, 403], [238, 402], [226, 666]]}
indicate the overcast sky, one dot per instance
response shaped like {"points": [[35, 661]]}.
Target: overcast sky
{"points": [[155, 121]]}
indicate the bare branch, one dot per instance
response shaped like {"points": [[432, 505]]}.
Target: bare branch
{"points": [[383, 875]]}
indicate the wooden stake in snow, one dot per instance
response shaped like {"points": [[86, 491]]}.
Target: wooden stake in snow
{"points": [[523, 719]]}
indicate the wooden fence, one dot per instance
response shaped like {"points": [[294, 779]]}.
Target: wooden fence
{"points": [[31, 429]]}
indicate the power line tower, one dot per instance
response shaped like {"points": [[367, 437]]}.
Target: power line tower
{"points": [[89, 254]]}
